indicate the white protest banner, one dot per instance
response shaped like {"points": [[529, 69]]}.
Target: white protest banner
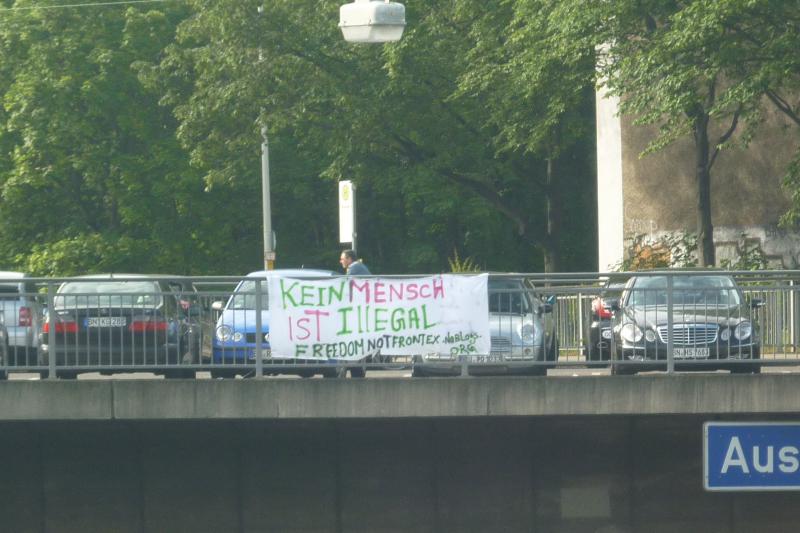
{"points": [[349, 318]]}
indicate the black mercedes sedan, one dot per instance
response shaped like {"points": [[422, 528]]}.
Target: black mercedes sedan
{"points": [[703, 316]]}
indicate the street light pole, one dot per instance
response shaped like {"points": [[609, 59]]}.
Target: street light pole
{"points": [[269, 251], [266, 206]]}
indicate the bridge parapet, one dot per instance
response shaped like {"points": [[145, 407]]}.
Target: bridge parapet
{"points": [[273, 399]]}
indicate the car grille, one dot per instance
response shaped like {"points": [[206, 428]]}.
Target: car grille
{"points": [[690, 334], [501, 344], [251, 339]]}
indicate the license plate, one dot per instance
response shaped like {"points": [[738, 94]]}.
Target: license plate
{"points": [[106, 322], [690, 353], [486, 358], [266, 354]]}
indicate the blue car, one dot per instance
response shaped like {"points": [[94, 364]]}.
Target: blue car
{"points": [[234, 340]]}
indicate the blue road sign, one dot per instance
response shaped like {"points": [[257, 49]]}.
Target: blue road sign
{"points": [[751, 456]]}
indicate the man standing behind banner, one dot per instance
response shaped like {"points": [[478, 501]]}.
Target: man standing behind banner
{"points": [[352, 266]]}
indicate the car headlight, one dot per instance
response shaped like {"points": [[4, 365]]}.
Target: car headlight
{"points": [[725, 334], [224, 333], [743, 330], [527, 333], [631, 333], [650, 335], [237, 336]]}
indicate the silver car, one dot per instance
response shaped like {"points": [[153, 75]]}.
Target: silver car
{"points": [[22, 312], [523, 338]]}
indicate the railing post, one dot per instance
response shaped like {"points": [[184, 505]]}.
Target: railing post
{"points": [[259, 332], [792, 315], [670, 325], [581, 340], [51, 331]]}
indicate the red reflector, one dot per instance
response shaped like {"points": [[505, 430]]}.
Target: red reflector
{"points": [[146, 325], [25, 316], [61, 327]]}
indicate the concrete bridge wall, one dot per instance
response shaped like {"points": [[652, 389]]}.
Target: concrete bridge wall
{"points": [[135, 465]]}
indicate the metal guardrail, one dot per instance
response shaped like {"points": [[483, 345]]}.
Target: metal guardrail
{"points": [[174, 328]]}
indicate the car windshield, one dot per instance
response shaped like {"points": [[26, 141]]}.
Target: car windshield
{"points": [[508, 296], [108, 294], [687, 290], [245, 296]]}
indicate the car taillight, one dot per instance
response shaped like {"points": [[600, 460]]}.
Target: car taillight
{"points": [[598, 308], [61, 327], [139, 326], [25, 316]]}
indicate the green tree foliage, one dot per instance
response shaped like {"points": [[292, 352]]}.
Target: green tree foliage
{"points": [[91, 175], [427, 144]]}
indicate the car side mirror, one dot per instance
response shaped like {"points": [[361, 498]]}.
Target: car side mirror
{"points": [[611, 304], [756, 303], [548, 304], [217, 306]]}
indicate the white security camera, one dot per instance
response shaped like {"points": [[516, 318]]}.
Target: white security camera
{"points": [[372, 21]]}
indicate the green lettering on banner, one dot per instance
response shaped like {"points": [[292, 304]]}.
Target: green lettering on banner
{"points": [[425, 323], [294, 294], [307, 295], [398, 319], [413, 318], [343, 312], [287, 294], [380, 321], [335, 296]]}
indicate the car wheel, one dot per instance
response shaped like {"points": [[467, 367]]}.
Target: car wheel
{"points": [[3, 375], [306, 374], [335, 372], [219, 374], [417, 372], [746, 369], [67, 374], [552, 353], [182, 373], [622, 370], [358, 372], [538, 370]]}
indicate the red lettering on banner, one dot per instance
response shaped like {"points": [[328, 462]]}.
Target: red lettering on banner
{"points": [[413, 291], [379, 293], [356, 287]]}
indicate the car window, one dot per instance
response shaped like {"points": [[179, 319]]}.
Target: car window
{"points": [[108, 294], [508, 296], [185, 295], [687, 290], [245, 296]]}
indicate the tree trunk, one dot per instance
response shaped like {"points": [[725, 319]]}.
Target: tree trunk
{"points": [[705, 228]]}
